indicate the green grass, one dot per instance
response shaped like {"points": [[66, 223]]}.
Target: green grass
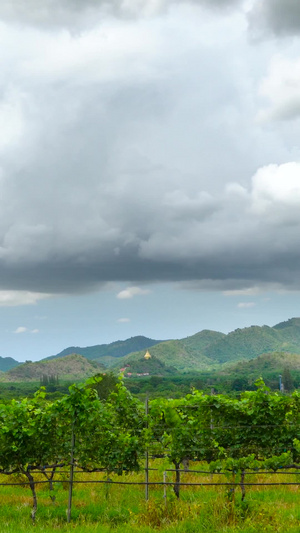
{"points": [[122, 509]]}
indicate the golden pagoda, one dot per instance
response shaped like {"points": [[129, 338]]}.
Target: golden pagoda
{"points": [[147, 355]]}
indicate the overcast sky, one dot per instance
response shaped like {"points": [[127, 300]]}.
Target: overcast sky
{"points": [[149, 169]]}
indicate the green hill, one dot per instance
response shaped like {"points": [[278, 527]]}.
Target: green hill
{"points": [[200, 341], [269, 366], [152, 367], [208, 350], [70, 367], [248, 343], [290, 331], [177, 353], [107, 353], [6, 363], [265, 364], [245, 343]]}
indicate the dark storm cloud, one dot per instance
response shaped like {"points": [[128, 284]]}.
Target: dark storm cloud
{"points": [[280, 17], [127, 154], [250, 238]]}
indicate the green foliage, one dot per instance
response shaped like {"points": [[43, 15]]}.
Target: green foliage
{"points": [[35, 433], [239, 384], [287, 379], [258, 431], [104, 384], [260, 426]]}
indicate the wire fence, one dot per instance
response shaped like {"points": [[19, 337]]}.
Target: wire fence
{"points": [[149, 483], [170, 478], [69, 472]]}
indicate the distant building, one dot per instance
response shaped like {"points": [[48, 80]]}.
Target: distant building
{"points": [[147, 355]]}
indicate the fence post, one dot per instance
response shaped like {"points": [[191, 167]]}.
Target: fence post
{"points": [[146, 455], [71, 473], [177, 480], [165, 487]]}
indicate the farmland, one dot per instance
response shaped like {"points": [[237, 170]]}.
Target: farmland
{"points": [[202, 460]]}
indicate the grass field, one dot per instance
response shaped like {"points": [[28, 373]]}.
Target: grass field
{"points": [[122, 509]]}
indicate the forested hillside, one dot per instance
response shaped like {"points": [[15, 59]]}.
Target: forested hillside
{"points": [[172, 353], [71, 367], [209, 350], [106, 353]]}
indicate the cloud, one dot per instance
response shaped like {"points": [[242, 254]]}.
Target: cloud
{"points": [[130, 292], [243, 242], [239, 244], [231, 287], [132, 156], [250, 291], [76, 14], [281, 88], [276, 193], [123, 320], [246, 305], [12, 119], [16, 298], [279, 17], [20, 329]]}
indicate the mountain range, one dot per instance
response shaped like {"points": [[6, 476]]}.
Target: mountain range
{"points": [[206, 350]]}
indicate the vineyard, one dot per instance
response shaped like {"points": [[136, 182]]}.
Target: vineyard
{"points": [[198, 441]]}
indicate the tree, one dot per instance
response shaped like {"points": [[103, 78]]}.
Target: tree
{"points": [[239, 384], [287, 379], [104, 384]]}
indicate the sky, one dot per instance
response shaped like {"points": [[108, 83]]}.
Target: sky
{"points": [[149, 169]]}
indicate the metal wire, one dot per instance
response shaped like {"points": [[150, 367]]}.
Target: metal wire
{"points": [[159, 483]]}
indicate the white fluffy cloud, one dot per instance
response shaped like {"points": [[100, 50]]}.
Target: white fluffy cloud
{"points": [[17, 298], [23, 329], [20, 329], [281, 89], [130, 292], [276, 192]]}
